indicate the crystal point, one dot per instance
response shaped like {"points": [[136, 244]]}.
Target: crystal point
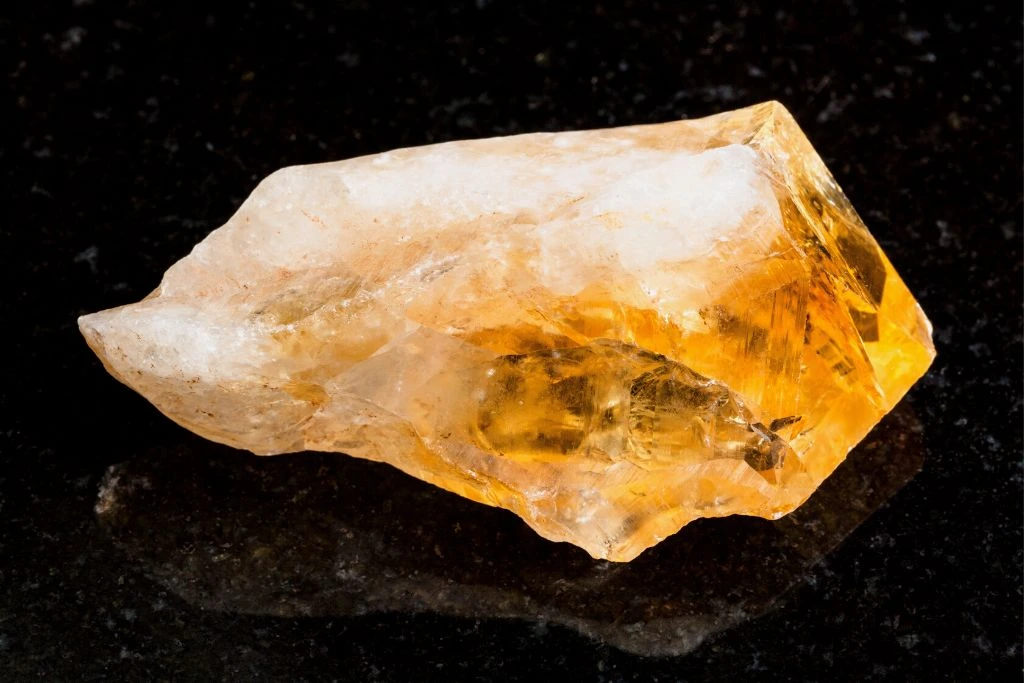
{"points": [[610, 333]]}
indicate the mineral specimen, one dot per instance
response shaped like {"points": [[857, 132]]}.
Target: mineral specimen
{"points": [[610, 333]]}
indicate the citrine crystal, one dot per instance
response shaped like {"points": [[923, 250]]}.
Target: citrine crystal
{"points": [[610, 333]]}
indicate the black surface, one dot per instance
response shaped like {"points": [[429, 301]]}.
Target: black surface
{"points": [[131, 129]]}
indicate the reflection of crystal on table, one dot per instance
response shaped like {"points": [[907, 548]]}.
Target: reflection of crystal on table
{"points": [[323, 535]]}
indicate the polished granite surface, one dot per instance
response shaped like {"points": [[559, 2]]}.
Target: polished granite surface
{"points": [[132, 550]]}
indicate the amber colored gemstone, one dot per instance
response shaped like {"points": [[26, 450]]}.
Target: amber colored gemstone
{"points": [[610, 333]]}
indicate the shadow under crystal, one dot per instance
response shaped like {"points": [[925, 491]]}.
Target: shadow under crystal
{"points": [[316, 534]]}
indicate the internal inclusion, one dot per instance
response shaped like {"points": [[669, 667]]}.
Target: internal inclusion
{"points": [[615, 402]]}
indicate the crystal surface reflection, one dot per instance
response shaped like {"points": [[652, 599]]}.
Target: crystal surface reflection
{"points": [[322, 534]]}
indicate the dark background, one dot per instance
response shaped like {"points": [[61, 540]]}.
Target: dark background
{"points": [[132, 129]]}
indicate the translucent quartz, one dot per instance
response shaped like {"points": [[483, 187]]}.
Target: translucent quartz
{"points": [[610, 333]]}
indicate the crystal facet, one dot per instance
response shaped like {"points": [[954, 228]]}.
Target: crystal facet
{"points": [[610, 333]]}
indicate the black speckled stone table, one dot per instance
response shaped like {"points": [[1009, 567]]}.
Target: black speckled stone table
{"points": [[132, 550]]}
